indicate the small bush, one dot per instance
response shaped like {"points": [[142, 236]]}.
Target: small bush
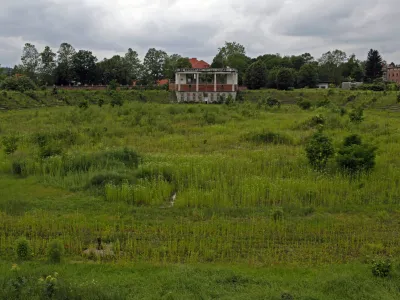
{"points": [[113, 85], [100, 102], [116, 99], [269, 138], [319, 149], [355, 157], [271, 102], [10, 144], [18, 167], [101, 180], [357, 115], [277, 214], [55, 251], [351, 98], [304, 104], [32, 95], [287, 296], [49, 150], [23, 248], [381, 267], [398, 98], [84, 104]]}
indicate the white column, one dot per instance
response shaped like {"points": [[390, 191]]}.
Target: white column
{"points": [[233, 81], [197, 81], [179, 82], [215, 82]]}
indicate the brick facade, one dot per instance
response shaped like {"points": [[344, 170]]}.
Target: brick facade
{"points": [[392, 73]]}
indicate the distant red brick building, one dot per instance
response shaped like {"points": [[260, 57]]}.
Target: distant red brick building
{"points": [[392, 73]]}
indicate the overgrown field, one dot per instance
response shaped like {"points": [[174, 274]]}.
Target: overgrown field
{"points": [[160, 184]]}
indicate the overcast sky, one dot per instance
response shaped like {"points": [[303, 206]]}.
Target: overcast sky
{"points": [[198, 28]]}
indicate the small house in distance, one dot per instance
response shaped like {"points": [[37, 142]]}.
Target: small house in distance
{"points": [[323, 85], [204, 84], [350, 85], [207, 85]]}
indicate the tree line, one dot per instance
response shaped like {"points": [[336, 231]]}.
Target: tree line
{"points": [[69, 66]]}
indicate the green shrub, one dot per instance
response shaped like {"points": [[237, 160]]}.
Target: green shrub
{"points": [[269, 138], [18, 167], [355, 157], [23, 248], [10, 144], [287, 296], [357, 115], [277, 214], [49, 150], [100, 180], [18, 83], [84, 104], [113, 85], [319, 150], [100, 102], [304, 104], [381, 267], [32, 95], [55, 251], [398, 98], [271, 102], [116, 99]]}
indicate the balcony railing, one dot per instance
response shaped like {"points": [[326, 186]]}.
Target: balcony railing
{"points": [[206, 88]]}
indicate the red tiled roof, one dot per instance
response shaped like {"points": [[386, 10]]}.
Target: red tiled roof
{"points": [[198, 64], [162, 82]]}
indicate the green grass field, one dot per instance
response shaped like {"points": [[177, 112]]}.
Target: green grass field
{"points": [[196, 201]]}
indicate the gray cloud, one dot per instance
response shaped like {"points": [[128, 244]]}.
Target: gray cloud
{"points": [[178, 26]]}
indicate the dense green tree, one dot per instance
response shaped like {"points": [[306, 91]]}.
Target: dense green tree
{"points": [[218, 61], [30, 61], [65, 66], [3, 74], [285, 78], [173, 62], [114, 68], [133, 65], [272, 78], [154, 64], [47, 66], [331, 66], [373, 66], [84, 67], [256, 75], [352, 69], [232, 55], [308, 76]]}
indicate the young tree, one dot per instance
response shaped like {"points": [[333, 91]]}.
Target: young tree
{"points": [[319, 150], [256, 76], [30, 61], [65, 67], [285, 78], [308, 76], [272, 78], [355, 157], [47, 66], [154, 64], [373, 66], [84, 67]]}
